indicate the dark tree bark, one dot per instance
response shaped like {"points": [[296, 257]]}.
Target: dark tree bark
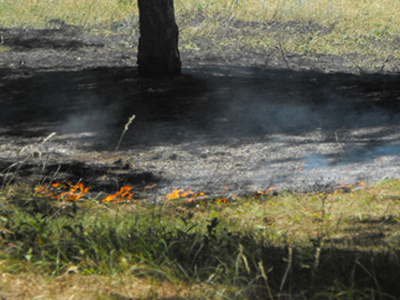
{"points": [[158, 44]]}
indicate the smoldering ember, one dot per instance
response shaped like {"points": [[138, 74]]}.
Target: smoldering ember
{"points": [[229, 124]]}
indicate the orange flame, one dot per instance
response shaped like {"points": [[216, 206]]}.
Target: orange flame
{"points": [[187, 193], [43, 191], [59, 185], [123, 194], [178, 194], [150, 186], [224, 200], [260, 194], [74, 193]]}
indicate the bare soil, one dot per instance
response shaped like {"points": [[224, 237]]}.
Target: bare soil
{"points": [[235, 120]]}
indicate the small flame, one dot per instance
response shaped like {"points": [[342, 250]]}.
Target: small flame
{"points": [[76, 192], [124, 194], [260, 194], [59, 185], [179, 194], [58, 190], [150, 186], [174, 195], [72, 192], [224, 200], [43, 191]]}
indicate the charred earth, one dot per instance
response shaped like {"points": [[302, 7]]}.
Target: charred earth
{"points": [[300, 122]]}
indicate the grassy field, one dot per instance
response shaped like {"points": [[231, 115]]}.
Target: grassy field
{"points": [[340, 27], [345, 243]]}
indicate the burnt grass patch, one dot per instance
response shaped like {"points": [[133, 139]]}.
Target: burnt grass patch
{"points": [[85, 88], [224, 107]]}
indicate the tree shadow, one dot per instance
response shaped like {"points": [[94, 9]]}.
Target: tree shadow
{"points": [[61, 37], [210, 104]]}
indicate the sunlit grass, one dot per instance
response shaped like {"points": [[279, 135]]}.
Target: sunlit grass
{"points": [[351, 16], [222, 247], [365, 27], [368, 28], [90, 14]]}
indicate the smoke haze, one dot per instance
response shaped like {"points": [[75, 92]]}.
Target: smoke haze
{"points": [[217, 126]]}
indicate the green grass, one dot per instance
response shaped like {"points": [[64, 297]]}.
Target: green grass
{"points": [[344, 243], [340, 27]]}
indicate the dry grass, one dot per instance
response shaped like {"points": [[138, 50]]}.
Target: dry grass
{"points": [[365, 27], [76, 286], [337, 27], [365, 14], [362, 220], [367, 218], [350, 16], [87, 13]]}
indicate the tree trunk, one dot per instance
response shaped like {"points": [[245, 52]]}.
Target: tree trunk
{"points": [[158, 44]]}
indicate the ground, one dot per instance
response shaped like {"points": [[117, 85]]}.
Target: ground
{"points": [[240, 120]]}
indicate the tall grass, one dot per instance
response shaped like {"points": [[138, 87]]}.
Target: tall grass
{"points": [[368, 16], [369, 28], [87, 13], [365, 27], [292, 244]]}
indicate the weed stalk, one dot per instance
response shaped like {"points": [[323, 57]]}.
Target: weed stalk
{"points": [[124, 131]]}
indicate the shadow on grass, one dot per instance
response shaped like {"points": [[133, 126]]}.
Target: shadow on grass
{"points": [[148, 243]]}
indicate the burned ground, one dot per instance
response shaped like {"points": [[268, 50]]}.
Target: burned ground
{"points": [[298, 122]]}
